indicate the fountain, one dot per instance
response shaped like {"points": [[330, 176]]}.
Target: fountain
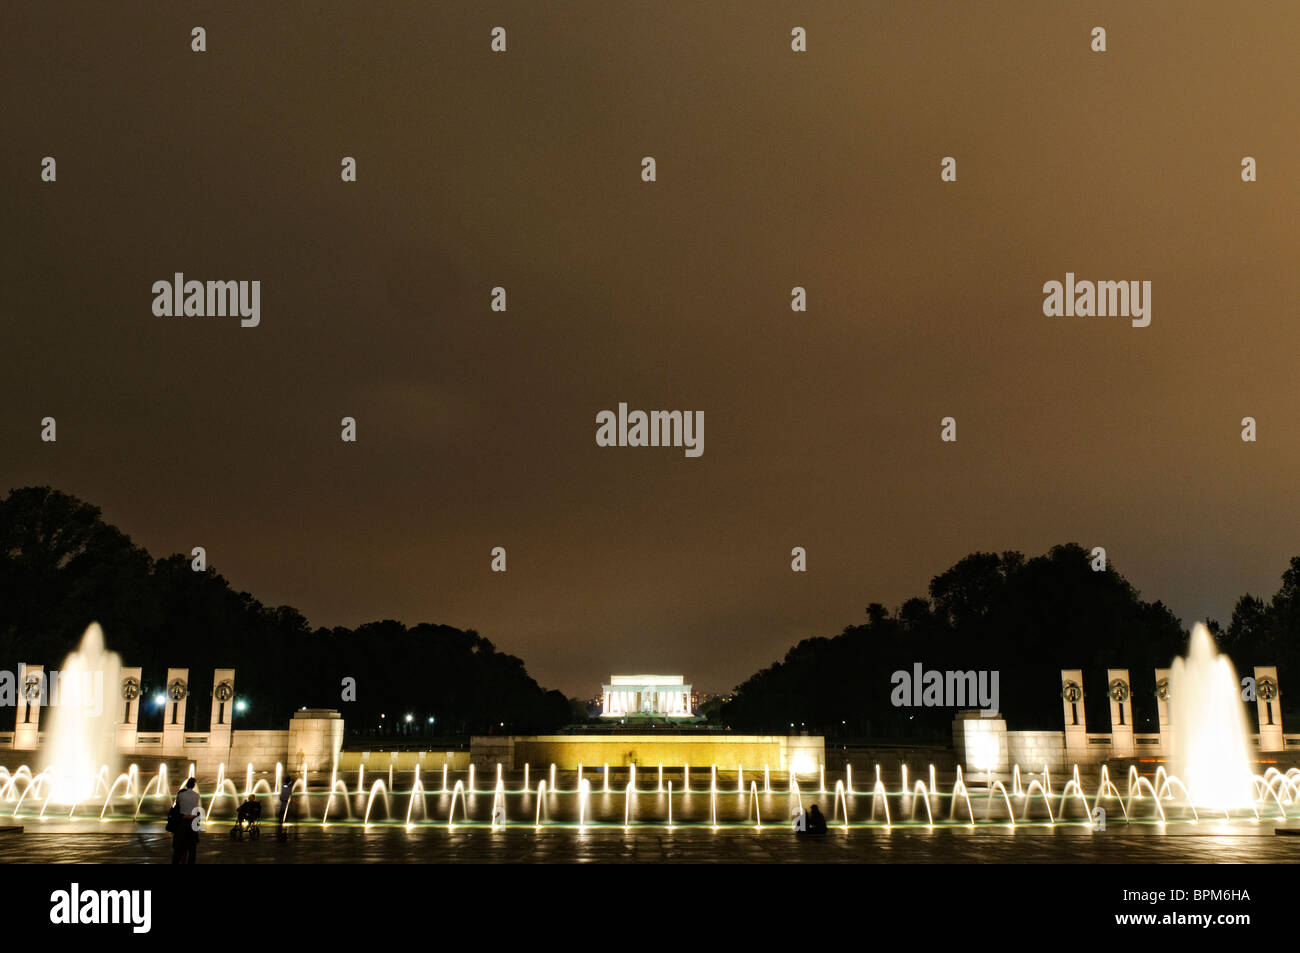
{"points": [[1160, 800], [499, 805], [82, 719], [1205, 737], [1209, 723]]}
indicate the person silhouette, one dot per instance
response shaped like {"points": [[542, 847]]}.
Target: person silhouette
{"points": [[250, 810], [185, 833], [816, 821], [286, 804]]}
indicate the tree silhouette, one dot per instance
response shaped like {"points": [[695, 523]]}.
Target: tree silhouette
{"points": [[1024, 619], [62, 567]]}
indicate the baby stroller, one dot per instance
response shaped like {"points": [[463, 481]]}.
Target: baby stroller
{"points": [[246, 821]]}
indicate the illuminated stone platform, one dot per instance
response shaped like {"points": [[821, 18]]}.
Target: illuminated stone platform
{"points": [[803, 754]]}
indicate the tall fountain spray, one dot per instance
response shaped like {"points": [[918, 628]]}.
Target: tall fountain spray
{"points": [[83, 719], [1211, 743]]}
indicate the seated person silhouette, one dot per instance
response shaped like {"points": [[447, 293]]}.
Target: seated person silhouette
{"points": [[816, 821], [248, 812]]}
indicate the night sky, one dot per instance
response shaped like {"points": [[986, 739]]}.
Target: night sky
{"points": [[477, 429]]}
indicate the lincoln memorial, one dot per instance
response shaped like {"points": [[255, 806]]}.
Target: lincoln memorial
{"points": [[629, 696]]}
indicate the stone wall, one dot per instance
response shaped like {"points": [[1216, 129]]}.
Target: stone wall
{"points": [[259, 747], [917, 757], [429, 762], [1033, 749], [315, 738], [980, 743], [779, 752]]}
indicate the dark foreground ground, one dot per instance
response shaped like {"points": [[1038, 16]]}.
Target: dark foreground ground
{"points": [[691, 845]]}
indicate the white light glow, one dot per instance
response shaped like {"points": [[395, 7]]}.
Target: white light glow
{"points": [[1208, 720]]}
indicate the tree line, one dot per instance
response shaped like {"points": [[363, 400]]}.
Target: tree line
{"points": [[1024, 618], [62, 567]]}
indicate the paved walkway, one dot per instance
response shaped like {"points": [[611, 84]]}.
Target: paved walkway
{"points": [[524, 845]]}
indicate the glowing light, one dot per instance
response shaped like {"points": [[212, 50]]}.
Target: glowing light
{"points": [[983, 749], [802, 763], [82, 724], [1209, 727]]}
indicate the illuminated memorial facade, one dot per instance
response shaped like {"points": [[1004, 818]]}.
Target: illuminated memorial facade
{"points": [[631, 696]]}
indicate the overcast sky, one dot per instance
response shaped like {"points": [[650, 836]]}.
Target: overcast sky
{"points": [[523, 170]]}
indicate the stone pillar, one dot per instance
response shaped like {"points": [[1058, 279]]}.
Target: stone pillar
{"points": [[1076, 722], [981, 743], [1162, 711], [1120, 692], [128, 712], [315, 737], [1268, 703], [223, 711], [177, 691], [31, 695]]}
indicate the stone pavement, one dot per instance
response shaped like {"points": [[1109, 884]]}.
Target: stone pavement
{"points": [[687, 845]]}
